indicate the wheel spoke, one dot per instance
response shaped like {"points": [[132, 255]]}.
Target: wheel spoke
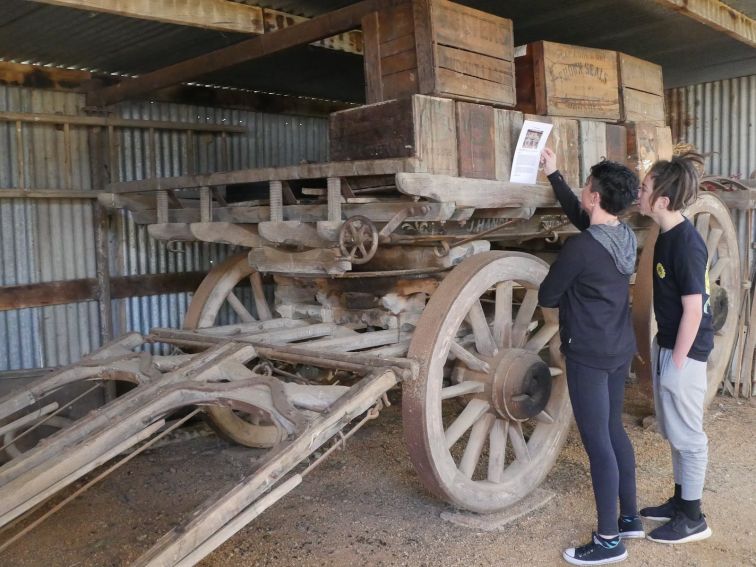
{"points": [[484, 341], [497, 450], [502, 327], [715, 235], [702, 225], [469, 387], [475, 444], [258, 292], [363, 251], [524, 316], [517, 438], [716, 271], [239, 308], [544, 417], [542, 337], [465, 420], [468, 358]]}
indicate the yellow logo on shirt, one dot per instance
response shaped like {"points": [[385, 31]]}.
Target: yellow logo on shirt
{"points": [[660, 271]]}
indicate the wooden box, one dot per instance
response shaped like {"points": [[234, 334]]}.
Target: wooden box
{"points": [[647, 143], [599, 141], [554, 79], [420, 127], [476, 140], [564, 141], [439, 48], [641, 90], [507, 126]]}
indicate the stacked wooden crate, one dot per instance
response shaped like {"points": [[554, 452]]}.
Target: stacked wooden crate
{"points": [[440, 80]]}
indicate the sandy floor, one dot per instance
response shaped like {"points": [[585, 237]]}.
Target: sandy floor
{"points": [[365, 506]]}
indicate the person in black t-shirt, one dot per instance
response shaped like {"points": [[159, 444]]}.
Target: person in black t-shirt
{"points": [[682, 344], [589, 282]]}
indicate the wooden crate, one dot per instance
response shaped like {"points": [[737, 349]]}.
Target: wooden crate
{"points": [[422, 127], [641, 90], [564, 141], [555, 79], [647, 143], [439, 48]]}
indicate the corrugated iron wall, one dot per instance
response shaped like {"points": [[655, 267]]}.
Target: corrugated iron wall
{"points": [[719, 119], [54, 239]]}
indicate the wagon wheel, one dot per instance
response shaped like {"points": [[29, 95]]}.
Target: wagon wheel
{"points": [[358, 239], [713, 221], [489, 365], [216, 293]]}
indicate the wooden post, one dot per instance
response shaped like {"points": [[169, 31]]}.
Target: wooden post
{"points": [[276, 201], [206, 205], [334, 199]]}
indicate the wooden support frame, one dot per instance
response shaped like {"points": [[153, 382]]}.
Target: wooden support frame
{"points": [[320, 27], [716, 15]]}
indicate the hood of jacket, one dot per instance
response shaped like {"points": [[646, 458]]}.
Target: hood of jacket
{"points": [[620, 242]]}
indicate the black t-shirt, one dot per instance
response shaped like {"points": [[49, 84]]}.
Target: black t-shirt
{"points": [[680, 258]]}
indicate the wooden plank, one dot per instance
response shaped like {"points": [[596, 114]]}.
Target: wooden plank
{"points": [[15, 193], [37, 76], [303, 171], [592, 146], [642, 149], [424, 46], [320, 27], [39, 118], [464, 87], [507, 126], [640, 75], [472, 30], [616, 143], [716, 15], [475, 140], [208, 14], [476, 65], [396, 21], [664, 145], [399, 85], [372, 58], [478, 193], [639, 106], [436, 135], [348, 42], [73, 291]]}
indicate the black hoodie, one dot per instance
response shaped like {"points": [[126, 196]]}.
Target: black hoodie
{"points": [[589, 282]]}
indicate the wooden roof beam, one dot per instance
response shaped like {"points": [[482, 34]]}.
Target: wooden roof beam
{"points": [[219, 15], [209, 14], [716, 15], [318, 28]]}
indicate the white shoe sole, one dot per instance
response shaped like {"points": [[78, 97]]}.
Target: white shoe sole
{"points": [[574, 561], [632, 535], [693, 537], [656, 518]]}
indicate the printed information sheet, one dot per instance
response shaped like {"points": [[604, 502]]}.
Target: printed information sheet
{"points": [[527, 154]]}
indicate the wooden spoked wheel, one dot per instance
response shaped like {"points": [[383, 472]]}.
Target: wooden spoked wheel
{"points": [[221, 291], [713, 222], [358, 239], [489, 412]]}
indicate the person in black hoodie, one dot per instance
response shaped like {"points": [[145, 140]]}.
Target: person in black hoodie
{"points": [[589, 283]]}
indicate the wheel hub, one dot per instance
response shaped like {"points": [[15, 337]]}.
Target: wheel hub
{"points": [[521, 384]]}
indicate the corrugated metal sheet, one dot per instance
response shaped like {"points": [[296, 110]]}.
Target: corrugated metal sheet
{"points": [[719, 118], [44, 240], [48, 240]]}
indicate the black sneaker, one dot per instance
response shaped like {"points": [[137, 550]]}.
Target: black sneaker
{"points": [[681, 529], [662, 512], [630, 527], [599, 552]]}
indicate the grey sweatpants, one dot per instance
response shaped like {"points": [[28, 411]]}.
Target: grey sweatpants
{"points": [[679, 395]]}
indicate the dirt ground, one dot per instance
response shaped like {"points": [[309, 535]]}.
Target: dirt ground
{"points": [[365, 506]]}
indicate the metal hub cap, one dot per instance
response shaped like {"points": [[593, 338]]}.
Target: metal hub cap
{"points": [[521, 385]]}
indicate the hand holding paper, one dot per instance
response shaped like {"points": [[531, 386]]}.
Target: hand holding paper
{"points": [[548, 161]]}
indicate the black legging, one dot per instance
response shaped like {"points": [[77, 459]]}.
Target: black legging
{"points": [[597, 397]]}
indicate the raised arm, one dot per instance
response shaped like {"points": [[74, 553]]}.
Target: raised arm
{"points": [[567, 199]]}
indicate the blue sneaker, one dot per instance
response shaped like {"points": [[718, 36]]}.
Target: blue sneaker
{"points": [[630, 527], [599, 552]]}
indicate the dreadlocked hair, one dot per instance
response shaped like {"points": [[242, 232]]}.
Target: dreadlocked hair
{"points": [[677, 179]]}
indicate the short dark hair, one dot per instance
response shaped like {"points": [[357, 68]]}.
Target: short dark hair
{"points": [[616, 184], [677, 179]]}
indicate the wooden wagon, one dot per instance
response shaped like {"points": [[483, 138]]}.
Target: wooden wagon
{"points": [[349, 278]]}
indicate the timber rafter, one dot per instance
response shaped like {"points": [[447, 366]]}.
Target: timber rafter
{"points": [[319, 28]]}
